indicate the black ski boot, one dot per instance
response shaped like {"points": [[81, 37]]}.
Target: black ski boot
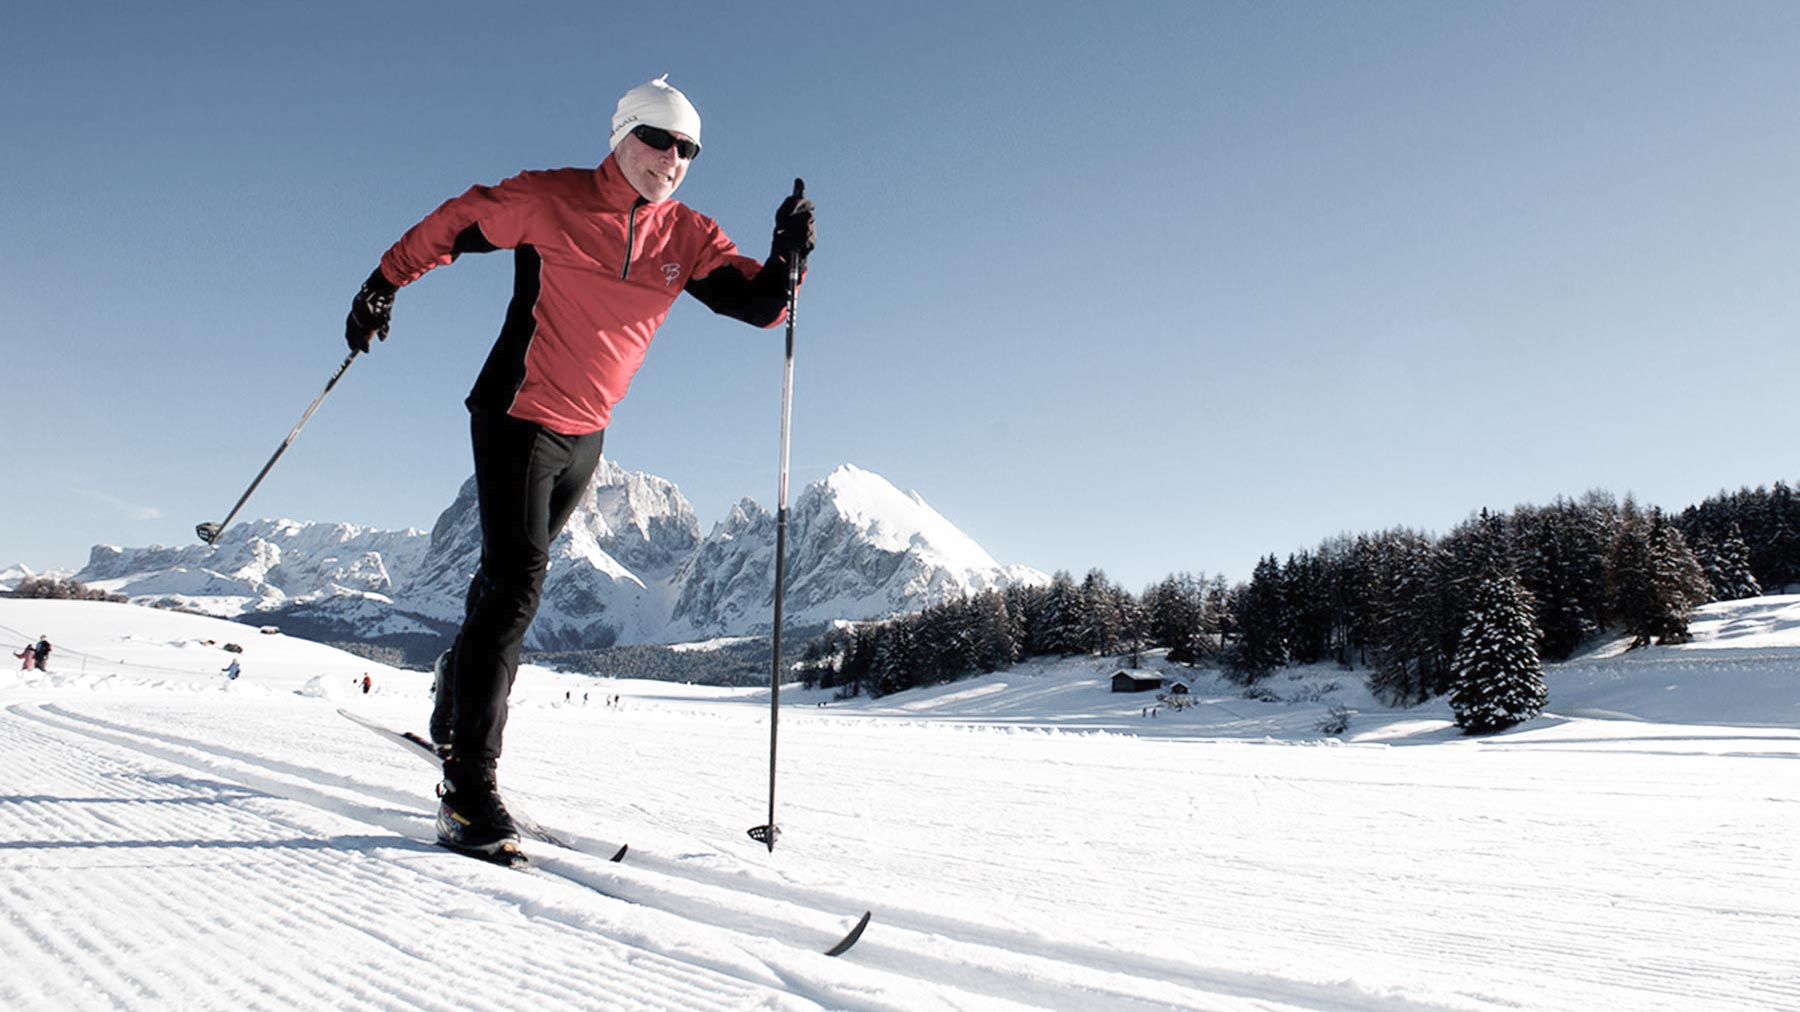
{"points": [[472, 818], [443, 699]]}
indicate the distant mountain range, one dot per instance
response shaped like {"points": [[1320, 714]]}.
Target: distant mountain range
{"points": [[632, 567]]}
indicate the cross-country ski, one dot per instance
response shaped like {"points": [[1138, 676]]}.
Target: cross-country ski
{"points": [[513, 856]]}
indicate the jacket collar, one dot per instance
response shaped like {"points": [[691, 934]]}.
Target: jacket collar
{"points": [[616, 192]]}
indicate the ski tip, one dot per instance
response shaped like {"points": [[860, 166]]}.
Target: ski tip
{"points": [[620, 854], [851, 938]]}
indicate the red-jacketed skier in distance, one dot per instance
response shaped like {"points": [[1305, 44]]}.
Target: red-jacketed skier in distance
{"points": [[600, 256]]}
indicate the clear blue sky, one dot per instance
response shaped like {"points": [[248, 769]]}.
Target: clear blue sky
{"points": [[1152, 287]]}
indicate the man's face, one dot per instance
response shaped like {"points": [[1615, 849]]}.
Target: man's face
{"points": [[654, 174]]}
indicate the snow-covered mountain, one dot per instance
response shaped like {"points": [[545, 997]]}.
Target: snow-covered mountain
{"points": [[631, 567], [330, 581], [260, 565], [858, 547], [15, 574], [610, 569]]}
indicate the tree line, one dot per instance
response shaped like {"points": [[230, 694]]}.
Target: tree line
{"points": [[61, 588], [1470, 615], [745, 662]]}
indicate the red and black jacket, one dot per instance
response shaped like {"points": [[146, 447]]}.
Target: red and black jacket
{"points": [[596, 270]]}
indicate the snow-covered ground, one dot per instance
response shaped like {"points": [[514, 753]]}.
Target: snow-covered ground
{"points": [[171, 840]]}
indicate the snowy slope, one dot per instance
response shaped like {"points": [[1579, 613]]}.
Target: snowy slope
{"points": [[1028, 840]]}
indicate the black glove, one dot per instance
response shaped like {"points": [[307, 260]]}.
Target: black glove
{"points": [[794, 234], [370, 312]]}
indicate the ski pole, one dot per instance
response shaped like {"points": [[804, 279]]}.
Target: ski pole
{"points": [[209, 532], [767, 833]]}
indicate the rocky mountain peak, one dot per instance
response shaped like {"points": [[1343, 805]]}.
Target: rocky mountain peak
{"points": [[631, 567]]}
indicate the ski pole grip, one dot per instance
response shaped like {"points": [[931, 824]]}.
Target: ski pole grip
{"points": [[794, 268]]}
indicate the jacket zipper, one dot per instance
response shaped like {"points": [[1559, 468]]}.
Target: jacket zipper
{"points": [[630, 238]]}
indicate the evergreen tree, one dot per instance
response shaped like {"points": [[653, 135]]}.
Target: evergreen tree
{"points": [[1060, 618], [1727, 564], [1099, 629], [1260, 620], [1562, 560], [1656, 580], [1768, 521], [1783, 536], [1414, 620], [1680, 577], [996, 641], [1028, 607], [1182, 616], [1352, 589], [1499, 680], [1475, 551], [815, 665], [895, 666], [1305, 589], [1215, 623], [1632, 578], [943, 644], [1134, 635], [1172, 611]]}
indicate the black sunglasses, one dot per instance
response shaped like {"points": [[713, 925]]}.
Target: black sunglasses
{"points": [[662, 140]]}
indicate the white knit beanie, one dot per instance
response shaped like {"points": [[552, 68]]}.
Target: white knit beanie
{"points": [[655, 103]]}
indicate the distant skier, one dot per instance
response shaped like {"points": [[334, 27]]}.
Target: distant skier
{"points": [[232, 671], [600, 256], [40, 654], [366, 683], [27, 657]]}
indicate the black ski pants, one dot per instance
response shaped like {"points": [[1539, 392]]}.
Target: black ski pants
{"points": [[528, 481]]}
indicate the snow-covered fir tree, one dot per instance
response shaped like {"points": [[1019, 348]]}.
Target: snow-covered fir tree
{"points": [[1562, 560], [1100, 627], [1766, 519], [1727, 565], [1411, 619], [1656, 580], [1499, 680], [1174, 610]]}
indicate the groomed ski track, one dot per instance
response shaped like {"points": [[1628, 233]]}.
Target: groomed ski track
{"points": [[171, 844], [329, 855]]}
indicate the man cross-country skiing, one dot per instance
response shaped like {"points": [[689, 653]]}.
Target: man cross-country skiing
{"points": [[600, 256]]}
